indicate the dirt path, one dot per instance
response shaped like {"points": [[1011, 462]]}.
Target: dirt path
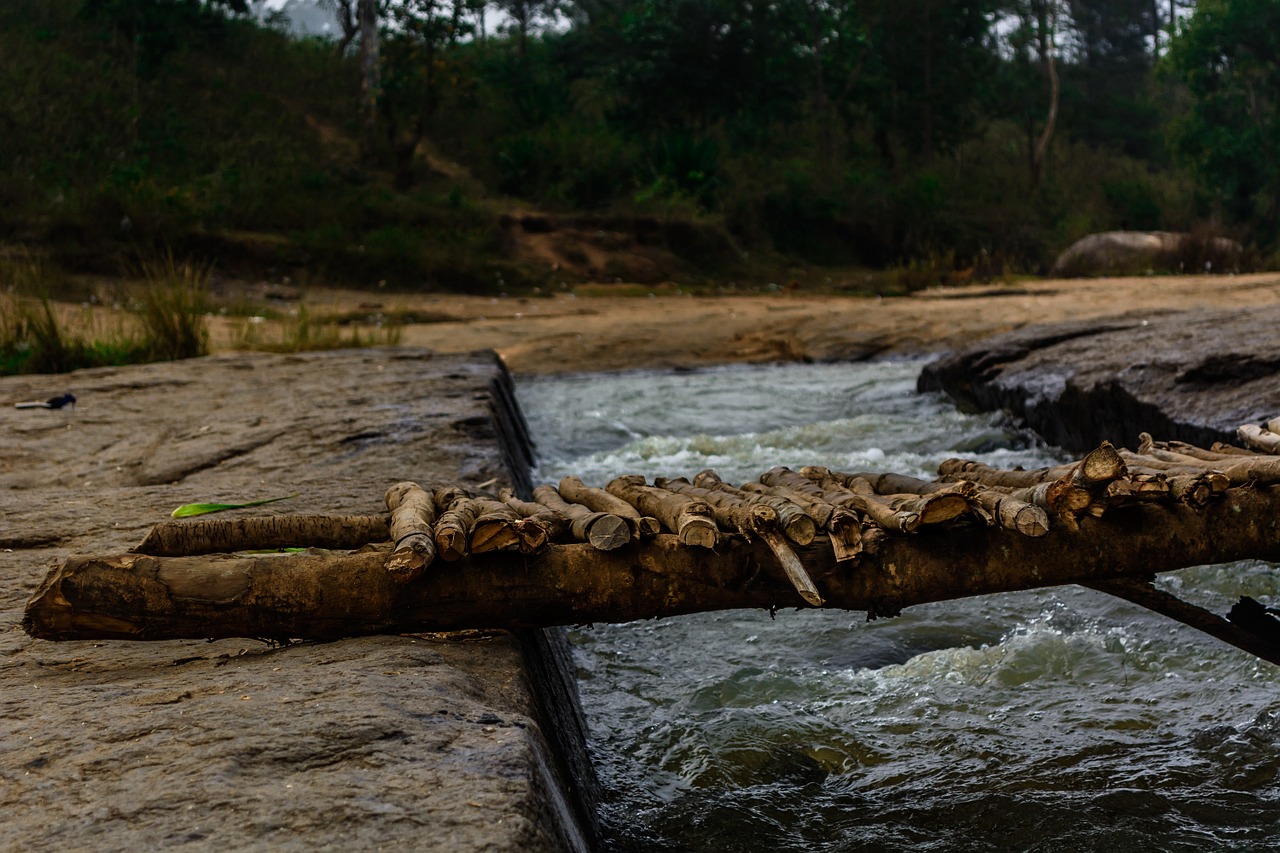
{"points": [[564, 333]]}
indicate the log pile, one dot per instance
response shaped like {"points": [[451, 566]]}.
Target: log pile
{"points": [[853, 539]]}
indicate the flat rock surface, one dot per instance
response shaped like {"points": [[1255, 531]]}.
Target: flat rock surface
{"points": [[406, 742], [1191, 376], [566, 334]]}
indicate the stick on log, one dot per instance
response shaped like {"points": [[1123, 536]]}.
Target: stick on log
{"points": [[574, 490], [413, 511], [601, 530], [689, 518], [224, 535]]}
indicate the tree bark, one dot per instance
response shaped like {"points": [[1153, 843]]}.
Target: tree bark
{"points": [[603, 531], [413, 511], [370, 76], [689, 518], [327, 596], [1259, 438], [224, 535], [573, 489], [1047, 17]]}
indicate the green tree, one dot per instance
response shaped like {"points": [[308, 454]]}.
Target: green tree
{"points": [[1228, 55], [151, 29], [414, 59]]}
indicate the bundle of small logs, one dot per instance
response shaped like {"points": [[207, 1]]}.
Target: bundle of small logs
{"points": [[880, 532]]}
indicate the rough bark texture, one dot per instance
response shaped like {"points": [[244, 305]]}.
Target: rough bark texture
{"points": [[1192, 377], [690, 519], [602, 530], [413, 512], [135, 597], [357, 744], [223, 535]]}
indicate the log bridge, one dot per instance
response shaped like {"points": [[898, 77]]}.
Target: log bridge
{"points": [[455, 557]]}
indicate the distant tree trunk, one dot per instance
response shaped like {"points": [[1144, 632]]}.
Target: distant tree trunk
{"points": [[350, 24], [370, 77], [1046, 22]]}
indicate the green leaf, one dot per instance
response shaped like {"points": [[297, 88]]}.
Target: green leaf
{"points": [[188, 510]]}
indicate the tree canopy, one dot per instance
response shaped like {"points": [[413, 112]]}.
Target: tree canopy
{"points": [[984, 135]]}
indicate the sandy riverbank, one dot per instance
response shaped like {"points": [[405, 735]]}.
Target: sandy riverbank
{"points": [[565, 333]]}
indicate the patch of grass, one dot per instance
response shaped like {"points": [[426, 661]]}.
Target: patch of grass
{"points": [[40, 335], [171, 308], [303, 333]]}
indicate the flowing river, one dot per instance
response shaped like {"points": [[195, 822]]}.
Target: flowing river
{"points": [[1053, 720]]}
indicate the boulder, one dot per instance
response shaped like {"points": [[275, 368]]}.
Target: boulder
{"points": [[1190, 376], [1137, 252]]}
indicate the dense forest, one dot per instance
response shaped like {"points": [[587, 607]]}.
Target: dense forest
{"points": [[913, 134]]}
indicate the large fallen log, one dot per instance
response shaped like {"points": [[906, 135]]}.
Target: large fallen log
{"points": [[326, 596]]}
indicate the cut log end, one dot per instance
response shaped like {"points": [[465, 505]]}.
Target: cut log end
{"points": [[607, 532], [699, 533]]}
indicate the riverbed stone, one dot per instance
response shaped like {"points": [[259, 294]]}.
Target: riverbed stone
{"points": [[428, 742], [1189, 376]]}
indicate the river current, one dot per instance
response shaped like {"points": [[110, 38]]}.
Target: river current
{"points": [[1059, 720]]}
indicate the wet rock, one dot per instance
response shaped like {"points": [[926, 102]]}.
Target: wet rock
{"points": [[1189, 376], [359, 744]]}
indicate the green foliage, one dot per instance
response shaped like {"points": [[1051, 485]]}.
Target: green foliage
{"points": [[39, 335], [171, 307], [189, 510], [891, 133], [1228, 55]]}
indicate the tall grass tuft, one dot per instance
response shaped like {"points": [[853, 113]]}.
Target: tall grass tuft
{"points": [[32, 339], [171, 308]]}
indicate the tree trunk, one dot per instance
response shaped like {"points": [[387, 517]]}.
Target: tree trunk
{"points": [[1047, 16], [370, 77], [327, 596]]}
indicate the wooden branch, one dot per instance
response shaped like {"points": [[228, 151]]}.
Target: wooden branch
{"points": [[687, 517], [574, 490], [453, 527], [1013, 514], [755, 520], [739, 511], [858, 495], [1232, 450], [1217, 480], [814, 506], [498, 527], [261, 532], [1263, 644], [326, 596], [601, 530], [1259, 438], [1092, 474], [413, 511], [542, 526], [795, 571], [1183, 451], [797, 523]]}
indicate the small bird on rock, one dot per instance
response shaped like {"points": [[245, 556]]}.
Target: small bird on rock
{"points": [[52, 403]]}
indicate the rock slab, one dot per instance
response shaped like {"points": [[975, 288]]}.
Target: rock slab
{"points": [[434, 743], [1190, 376]]}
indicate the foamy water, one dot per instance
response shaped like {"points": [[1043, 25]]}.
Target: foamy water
{"points": [[1061, 719]]}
